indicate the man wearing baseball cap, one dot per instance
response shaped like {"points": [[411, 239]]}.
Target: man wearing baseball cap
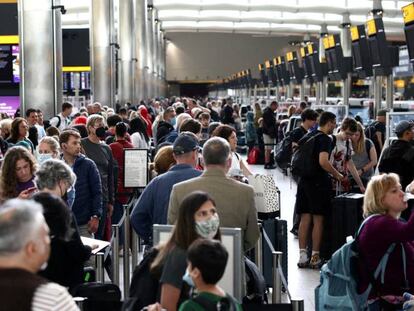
{"points": [[399, 156], [152, 206]]}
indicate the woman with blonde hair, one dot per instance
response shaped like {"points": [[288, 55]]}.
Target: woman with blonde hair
{"points": [[384, 201], [364, 156]]}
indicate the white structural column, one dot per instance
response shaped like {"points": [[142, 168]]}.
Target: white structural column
{"points": [[40, 36], [140, 50], [101, 52], [154, 53], [322, 58], [346, 44], [150, 51], [158, 64], [126, 35], [164, 64]]}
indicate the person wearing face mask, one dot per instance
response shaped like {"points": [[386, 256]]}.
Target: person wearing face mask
{"points": [[47, 149], [24, 250], [207, 260], [68, 255], [166, 126], [197, 218], [99, 152], [235, 200]]}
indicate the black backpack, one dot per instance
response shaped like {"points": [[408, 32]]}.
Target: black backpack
{"points": [[100, 296], [370, 131], [303, 161], [283, 154], [144, 285]]}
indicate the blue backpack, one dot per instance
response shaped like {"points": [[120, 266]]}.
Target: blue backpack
{"points": [[338, 287]]}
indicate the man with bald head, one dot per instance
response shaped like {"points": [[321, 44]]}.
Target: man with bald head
{"points": [[24, 250]]}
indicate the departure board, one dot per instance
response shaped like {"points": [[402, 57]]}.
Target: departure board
{"points": [[6, 65], [9, 64]]}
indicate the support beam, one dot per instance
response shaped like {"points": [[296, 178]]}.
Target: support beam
{"points": [[40, 37]]}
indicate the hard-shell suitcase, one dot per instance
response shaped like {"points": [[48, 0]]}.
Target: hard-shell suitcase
{"points": [[346, 217], [276, 230]]}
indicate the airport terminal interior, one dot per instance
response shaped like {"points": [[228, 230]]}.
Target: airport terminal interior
{"points": [[206, 155]]}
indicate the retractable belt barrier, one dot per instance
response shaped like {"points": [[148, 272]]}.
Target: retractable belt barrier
{"points": [[278, 275]]}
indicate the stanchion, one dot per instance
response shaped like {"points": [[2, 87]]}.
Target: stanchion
{"points": [[277, 283], [99, 267], [115, 251], [298, 304], [259, 251], [134, 249], [126, 251], [80, 301]]}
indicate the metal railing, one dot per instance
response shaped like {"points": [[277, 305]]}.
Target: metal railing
{"points": [[277, 272]]}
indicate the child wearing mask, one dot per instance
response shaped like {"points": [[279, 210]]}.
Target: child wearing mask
{"points": [[207, 261]]}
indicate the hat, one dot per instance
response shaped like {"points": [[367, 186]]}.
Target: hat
{"points": [[402, 126], [80, 120], [185, 142]]}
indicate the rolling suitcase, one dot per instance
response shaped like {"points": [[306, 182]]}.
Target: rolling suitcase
{"points": [[346, 217], [276, 230]]}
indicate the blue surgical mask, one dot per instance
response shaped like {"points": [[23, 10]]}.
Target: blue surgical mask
{"points": [[187, 278], [43, 157], [70, 198], [173, 121]]}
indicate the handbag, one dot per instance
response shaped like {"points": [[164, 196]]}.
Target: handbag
{"points": [[253, 156], [266, 193]]}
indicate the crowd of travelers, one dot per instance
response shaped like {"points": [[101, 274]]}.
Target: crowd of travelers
{"points": [[63, 179]]}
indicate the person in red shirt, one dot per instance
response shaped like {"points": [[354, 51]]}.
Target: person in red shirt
{"points": [[117, 147]]}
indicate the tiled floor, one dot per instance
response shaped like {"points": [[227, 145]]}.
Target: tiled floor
{"points": [[301, 282]]}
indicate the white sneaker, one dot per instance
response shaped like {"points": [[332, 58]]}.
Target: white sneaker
{"points": [[303, 259]]}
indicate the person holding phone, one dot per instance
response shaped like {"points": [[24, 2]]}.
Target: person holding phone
{"points": [[17, 174]]}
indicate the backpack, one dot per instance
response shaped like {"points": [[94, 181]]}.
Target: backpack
{"points": [[370, 131], [227, 303], [100, 296], [256, 290], [283, 154], [144, 285], [338, 288], [303, 162]]}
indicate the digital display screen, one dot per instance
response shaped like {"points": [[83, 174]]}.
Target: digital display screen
{"points": [[9, 104], [5, 64], [16, 63]]}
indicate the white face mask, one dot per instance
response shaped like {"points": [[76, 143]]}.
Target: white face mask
{"points": [[43, 157], [208, 228]]}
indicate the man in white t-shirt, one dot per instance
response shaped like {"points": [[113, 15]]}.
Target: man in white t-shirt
{"points": [[341, 156], [24, 250], [62, 121]]}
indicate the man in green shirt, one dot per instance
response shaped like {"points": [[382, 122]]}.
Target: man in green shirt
{"points": [[207, 261]]}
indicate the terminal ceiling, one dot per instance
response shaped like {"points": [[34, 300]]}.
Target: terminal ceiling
{"points": [[256, 17]]}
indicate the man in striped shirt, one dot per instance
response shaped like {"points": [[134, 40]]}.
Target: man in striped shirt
{"points": [[24, 250]]}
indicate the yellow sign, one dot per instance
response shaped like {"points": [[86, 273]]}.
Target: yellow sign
{"points": [[76, 68], [260, 67], [331, 41], [400, 84], [408, 13], [9, 39], [371, 28], [275, 62], [279, 60], [310, 49], [267, 64], [302, 52], [354, 33], [326, 43], [289, 56]]}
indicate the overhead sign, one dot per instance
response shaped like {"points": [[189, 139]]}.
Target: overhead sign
{"points": [[408, 13]]}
